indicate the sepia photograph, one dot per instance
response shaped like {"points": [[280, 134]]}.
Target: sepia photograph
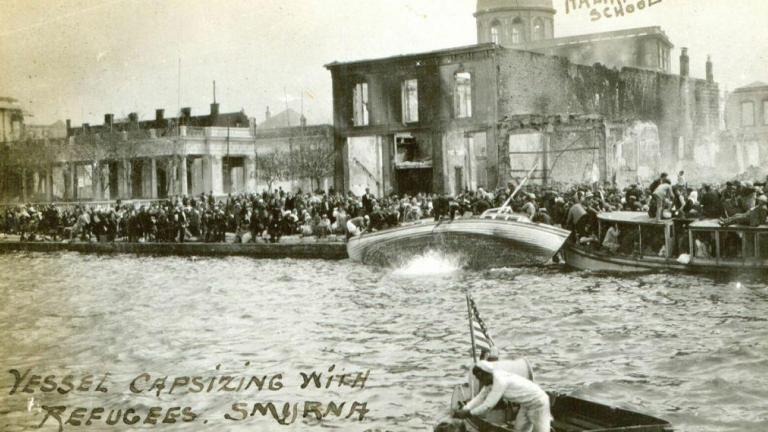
{"points": [[384, 215]]}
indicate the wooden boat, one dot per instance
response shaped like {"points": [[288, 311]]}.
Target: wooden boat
{"points": [[680, 245], [571, 414], [495, 239]]}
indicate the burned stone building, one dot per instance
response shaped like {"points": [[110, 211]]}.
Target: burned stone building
{"points": [[476, 116], [746, 123]]}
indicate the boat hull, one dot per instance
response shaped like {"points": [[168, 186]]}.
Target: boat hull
{"points": [[569, 413], [581, 259], [485, 243]]}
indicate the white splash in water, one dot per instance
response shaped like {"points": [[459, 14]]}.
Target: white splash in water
{"points": [[430, 263]]}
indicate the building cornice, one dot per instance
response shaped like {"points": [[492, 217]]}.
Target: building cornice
{"points": [[515, 9]]}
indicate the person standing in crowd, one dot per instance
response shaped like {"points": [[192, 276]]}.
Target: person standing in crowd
{"points": [[180, 223], [368, 202]]}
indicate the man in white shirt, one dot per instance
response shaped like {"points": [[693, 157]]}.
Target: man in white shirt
{"points": [[534, 414]]}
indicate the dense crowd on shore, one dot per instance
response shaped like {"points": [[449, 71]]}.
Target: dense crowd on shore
{"points": [[267, 216]]}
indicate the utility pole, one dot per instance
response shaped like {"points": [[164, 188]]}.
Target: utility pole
{"points": [[178, 91], [287, 114]]}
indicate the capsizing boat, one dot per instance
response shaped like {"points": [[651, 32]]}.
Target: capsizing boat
{"points": [[495, 239]]}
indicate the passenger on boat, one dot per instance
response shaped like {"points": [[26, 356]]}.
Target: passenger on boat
{"points": [[661, 194], [611, 241], [542, 217], [632, 192], [710, 202], [576, 215], [534, 414], [662, 178], [702, 249], [632, 204], [754, 217], [529, 208], [356, 226]]}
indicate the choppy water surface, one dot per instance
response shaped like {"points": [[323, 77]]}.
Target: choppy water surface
{"points": [[687, 349]]}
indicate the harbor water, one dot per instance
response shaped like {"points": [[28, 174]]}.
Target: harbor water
{"points": [[691, 350]]}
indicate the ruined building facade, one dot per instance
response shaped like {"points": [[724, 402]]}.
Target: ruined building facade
{"points": [[746, 122], [477, 116]]}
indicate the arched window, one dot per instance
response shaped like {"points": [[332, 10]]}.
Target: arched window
{"points": [[517, 31], [495, 32], [538, 29]]}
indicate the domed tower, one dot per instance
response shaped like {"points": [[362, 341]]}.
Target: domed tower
{"points": [[514, 22]]}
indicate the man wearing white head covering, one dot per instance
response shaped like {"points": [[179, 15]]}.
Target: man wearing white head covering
{"points": [[534, 414]]}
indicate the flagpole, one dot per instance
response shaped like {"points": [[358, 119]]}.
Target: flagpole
{"points": [[471, 330]]}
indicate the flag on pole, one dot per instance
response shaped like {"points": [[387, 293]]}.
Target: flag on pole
{"points": [[480, 338]]}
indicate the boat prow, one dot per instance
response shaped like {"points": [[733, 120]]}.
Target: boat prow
{"points": [[571, 414], [491, 241]]}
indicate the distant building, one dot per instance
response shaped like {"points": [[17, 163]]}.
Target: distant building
{"points": [[643, 48], [514, 22], [481, 115], [54, 130], [746, 122], [529, 25], [11, 120], [285, 119], [187, 155]]}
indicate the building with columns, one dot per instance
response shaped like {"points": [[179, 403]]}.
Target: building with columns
{"points": [[126, 159], [11, 120]]}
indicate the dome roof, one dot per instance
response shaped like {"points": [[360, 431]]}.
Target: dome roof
{"points": [[491, 5]]}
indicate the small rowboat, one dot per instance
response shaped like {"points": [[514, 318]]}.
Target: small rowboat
{"points": [[493, 240], [570, 414]]}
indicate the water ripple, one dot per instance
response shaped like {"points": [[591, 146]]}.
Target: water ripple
{"points": [[693, 350]]}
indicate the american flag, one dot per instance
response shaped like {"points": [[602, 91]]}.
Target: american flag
{"points": [[482, 339]]}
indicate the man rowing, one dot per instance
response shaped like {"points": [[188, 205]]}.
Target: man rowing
{"points": [[534, 414]]}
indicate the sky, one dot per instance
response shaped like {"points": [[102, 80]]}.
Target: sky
{"points": [[80, 59]]}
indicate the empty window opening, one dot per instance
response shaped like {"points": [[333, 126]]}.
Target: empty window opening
{"points": [[360, 105], [463, 95], [410, 91]]}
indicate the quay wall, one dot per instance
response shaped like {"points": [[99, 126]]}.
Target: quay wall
{"points": [[327, 251]]}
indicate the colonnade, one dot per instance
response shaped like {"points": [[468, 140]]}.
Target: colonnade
{"points": [[142, 177]]}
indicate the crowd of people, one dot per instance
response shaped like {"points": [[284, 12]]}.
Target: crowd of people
{"points": [[271, 215]]}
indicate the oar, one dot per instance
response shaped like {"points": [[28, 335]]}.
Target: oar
{"points": [[520, 186]]}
